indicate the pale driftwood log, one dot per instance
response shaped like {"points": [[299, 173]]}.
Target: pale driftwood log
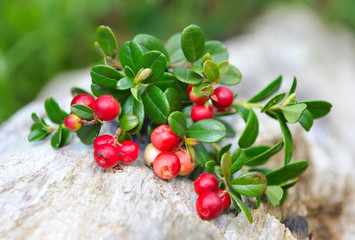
{"points": [[62, 194]]}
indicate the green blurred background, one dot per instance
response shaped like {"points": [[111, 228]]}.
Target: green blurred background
{"points": [[39, 38]]}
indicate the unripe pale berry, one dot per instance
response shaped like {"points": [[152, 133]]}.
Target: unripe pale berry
{"points": [[103, 139], [150, 153], [200, 112], [185, 161], [106, 156], [84, 99], [226, 199], [72, 122], [106, 107], [209, 205], [206, 182], [224, 96], [164, 139], [128, 151], [166, 165]]}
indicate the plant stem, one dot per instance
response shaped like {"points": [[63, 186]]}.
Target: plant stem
{"points": [[221, 179], [215, 146]]}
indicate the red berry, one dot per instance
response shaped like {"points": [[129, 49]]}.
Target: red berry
{"points": [[72, 122], [185, 161], [198, 100], [166, 165], [106, 107], [84, 99], [189, 88], [103, 139], [128, 151], [224, 96], [226, 199], [150, 153], [206, 182], [209, 205], [106, 156], [200, 112], [164, 139]]}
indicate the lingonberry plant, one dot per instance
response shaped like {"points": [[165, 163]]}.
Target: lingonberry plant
{"points": [[176, 90]]}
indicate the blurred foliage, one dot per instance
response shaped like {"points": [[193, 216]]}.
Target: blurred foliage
{"points": [[39, 38]]}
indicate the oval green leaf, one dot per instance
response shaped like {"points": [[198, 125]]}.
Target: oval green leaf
{"points": [[155, 104], [174, 99], [222, 151], [273, 101], [55, 114], [318, 108], [82, 111], [130, 52], [57, 138], [232, 77], [156, 61], [151, 43], [37, 134], [293, 112], [167, 80], [274, 195], [105, 76], [118, 94], [173, 46], [192, 42], [202, 156], [267, 91], [208, 130], [261, 158], [223, 67], [306, 120], [125, 83], [106, 40], [88, 133], [241, 206], [210, 166], [187, 76], [211, 70], [217, 50], [132, 106], [250, 132], [286, 173], [65, 136], [287, 137], [226, 164], [293, 86], [128, 122], [251, 184], [238, 160], [177, 123]]}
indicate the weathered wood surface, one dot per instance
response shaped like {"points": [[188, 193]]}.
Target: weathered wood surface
{"points": [[62, 194]]}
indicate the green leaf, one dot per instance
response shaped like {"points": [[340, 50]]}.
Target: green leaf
{"points": [[88, 133], [226, 164], [106, 40], [244, 112], [262, 158], [274, 195], [293, 112], [250, 132], [211, 70], [130, 52], [286, 173], [37, 134], [318, 108], [223, 67], [132, 106], [128, 122], [252, 184], [206, 57], [65, 137], [129, 72], [174, 99], [156, 61], [232, 77], [167, 80], [105, 76], [217, 50], [99, 91], [238, 160], [151, 43], [187, 76], [242, 206], [173, 46], [273, 101], [202, 156], [197, 69], [222, 151], [287, 137], [125, 83], [210, 166], [306, 120], [57, 138], [289, 184], [208, 130], [124, 136], [155, 104], [36, 119], [76, 91], [230, 132], [192, 42], [202, 89], [55, 114], [267, 91], [82, 111], [177, 123], [134, 91], [293, 86]]}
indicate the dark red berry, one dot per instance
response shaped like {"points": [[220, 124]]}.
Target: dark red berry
{"points": [[128, 151], [209, 205], [226, 199], [106, 107], [166, 165], [200, 112], [164, 139], [185, 161], [206, 182], [103, 139], [84, 99], [72, 122], [106, 156], [224, 96]]}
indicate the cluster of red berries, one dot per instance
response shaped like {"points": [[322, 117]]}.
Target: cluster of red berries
{"points": [[106, 108], [212, 201], [222, 98], [165, 156]]}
